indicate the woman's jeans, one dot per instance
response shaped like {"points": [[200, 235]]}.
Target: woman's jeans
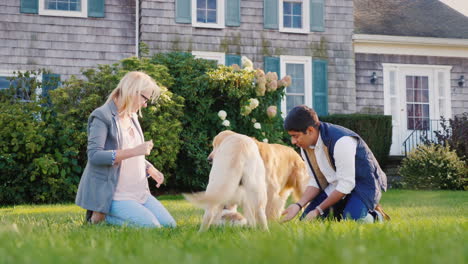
{"points": [[150, 214], [351, 207]]}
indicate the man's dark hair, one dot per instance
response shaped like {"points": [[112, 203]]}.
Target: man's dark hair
{"points": [[300, 118]]}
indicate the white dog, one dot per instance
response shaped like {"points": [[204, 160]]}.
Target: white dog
{"points": [[236, 177]]}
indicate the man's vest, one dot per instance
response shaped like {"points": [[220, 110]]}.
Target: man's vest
{"points": [[370, 179]]}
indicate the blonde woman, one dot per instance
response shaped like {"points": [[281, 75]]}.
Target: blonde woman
{"points": [[114, 185]]}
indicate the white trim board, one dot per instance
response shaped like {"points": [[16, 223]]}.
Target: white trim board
{"points": [[417, 46]]}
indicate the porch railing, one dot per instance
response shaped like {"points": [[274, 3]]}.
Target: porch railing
{"points": [[421, 136]]}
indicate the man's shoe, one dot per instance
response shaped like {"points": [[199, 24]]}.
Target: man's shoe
{"points": [[379, 210]]}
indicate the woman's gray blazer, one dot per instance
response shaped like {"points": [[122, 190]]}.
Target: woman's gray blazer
{"points": [[99, 179]]}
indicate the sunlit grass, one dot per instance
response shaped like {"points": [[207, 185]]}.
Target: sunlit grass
{"points": [[426, 227]]}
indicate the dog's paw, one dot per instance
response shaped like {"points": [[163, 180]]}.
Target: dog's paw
{"points": [[231, 218]]}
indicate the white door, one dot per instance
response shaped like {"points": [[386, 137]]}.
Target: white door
{"points": [[416, 96]]}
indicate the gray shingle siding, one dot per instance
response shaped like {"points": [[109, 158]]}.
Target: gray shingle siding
{"points": [[370, 97], [64, 45], [160, 31]]}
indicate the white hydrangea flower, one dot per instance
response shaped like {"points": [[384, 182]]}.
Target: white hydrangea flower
{"points": [[222, 114], [226, 123], [265, 140], [246, 63], [254, 120], [253, 103], [257, 126]]}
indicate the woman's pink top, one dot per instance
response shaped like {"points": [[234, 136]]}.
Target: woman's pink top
{"points": [[132, 184]]}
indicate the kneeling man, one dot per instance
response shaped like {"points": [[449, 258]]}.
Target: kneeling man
{"points": [[346, 179]]}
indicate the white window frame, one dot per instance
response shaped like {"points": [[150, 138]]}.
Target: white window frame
{"points": [[305, 17], [63, 13], [209, 55], [219, 16], [307, 62]]}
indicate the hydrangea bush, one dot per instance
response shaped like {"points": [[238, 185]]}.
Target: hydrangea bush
{"points": [[248, 101]]}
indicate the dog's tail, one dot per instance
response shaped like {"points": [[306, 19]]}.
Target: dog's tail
{"points": [[202, 199]]}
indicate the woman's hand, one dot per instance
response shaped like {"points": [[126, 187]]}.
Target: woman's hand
{"points": [[144, 148], [156, 175], [290, 212]]}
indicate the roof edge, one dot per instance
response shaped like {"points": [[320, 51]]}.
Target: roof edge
{"points": [[428, 41]]}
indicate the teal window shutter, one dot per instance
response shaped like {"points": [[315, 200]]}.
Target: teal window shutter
{"points": [[96, 8], [320, 86], [29, 6], [233, 59], [50, 81], [232, 8], [270, 14], [317, 15], [272, 64], [184, 11]]}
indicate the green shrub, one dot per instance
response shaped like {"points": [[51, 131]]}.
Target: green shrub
{"points": [[30, 172], [376, 130], [454, 133], [208, 89], [434, 167]]}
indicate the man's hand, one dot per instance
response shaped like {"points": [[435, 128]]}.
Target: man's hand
{"points": [[312, 215], [290, 212], [156, 175]]}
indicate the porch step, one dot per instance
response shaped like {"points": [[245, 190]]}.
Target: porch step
{"points": [[391, 169]]}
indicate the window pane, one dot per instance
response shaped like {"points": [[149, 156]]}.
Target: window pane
{"points": [[296, 71], [417, 82], [409, 82], [201, 16], [287, 21], [297, 9], [410, 124], [63, 5], [211, 4], [424, 84], [211, 17], [410, 110], [293, 100], [4, 82], [201, 4], [287, 9], [425, 96], [297, 22], [410, 95]]}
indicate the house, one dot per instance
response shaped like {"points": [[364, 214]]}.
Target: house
{"points": [[311, 40], [411, 63], [407, 59]]}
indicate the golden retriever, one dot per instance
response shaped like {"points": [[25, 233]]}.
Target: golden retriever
{"points": [[237, 176], [286, 173]]}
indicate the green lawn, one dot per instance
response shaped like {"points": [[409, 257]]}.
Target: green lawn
{"points": [[426, 227]]}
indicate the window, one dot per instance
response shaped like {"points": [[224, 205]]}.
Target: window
{"points": [[208, 13], [22, 85], [417, 102], [73, 8], [219, 57], [299, 92], [294, 16]]}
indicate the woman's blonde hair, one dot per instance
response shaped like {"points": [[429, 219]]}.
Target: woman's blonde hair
{"points": [[131, 86]]}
